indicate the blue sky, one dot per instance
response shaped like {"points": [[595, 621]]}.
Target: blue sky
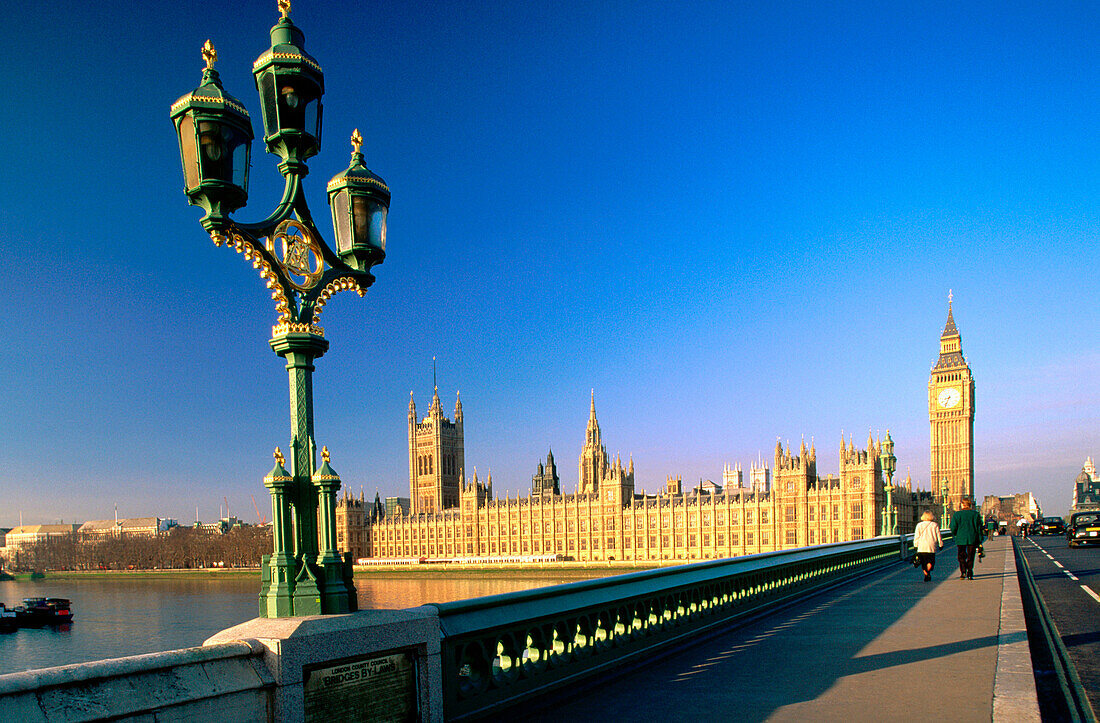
{"points": [[735, 222]]}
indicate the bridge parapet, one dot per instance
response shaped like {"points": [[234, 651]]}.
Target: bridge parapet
{"points": [[501, 649]]}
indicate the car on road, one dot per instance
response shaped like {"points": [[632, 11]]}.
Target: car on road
{"points": [[1050, 526], [1083, 528]]}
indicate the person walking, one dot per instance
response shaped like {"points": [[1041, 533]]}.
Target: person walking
{"points": [[927, 540], [966, 526]]}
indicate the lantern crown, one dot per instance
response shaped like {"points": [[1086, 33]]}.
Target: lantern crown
{"points": [[211, 96], [291, 83], [357, 175], [215, 132]]}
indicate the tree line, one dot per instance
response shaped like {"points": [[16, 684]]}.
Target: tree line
{"points": [[179, 548]]}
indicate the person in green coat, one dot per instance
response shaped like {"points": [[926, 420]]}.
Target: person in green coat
{"points": [[967, 527]]}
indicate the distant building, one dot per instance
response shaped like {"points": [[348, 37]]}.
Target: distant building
{"points": [[786, 506], [19, 539], [545, 482], [398, 506], [125, 527], [353, 518], [436, 457], [610, 521], [1086, 488], [1011, 508], [951, 417], [760, 479], [732, 477]]}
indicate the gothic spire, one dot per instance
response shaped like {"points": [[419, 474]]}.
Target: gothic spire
{"points": [[949, 328]]}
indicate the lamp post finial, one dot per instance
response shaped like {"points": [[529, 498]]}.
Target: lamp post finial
{"points": [[209, 54]]}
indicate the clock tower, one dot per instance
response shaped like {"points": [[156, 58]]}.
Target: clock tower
{"points": [[951, 414]]}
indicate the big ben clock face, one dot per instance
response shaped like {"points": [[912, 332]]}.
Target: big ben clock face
{"points": [[949, 398]]}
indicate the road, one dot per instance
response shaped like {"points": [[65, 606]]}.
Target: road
{"points": [[1069, 581]]}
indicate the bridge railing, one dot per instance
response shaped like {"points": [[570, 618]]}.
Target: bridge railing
{"points": [[497, 650], [228, 681]]}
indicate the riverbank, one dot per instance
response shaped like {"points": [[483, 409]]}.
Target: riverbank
{"points": [[209, 573], [536, 571]]}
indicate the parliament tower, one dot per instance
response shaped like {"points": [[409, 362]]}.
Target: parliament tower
{"points": [[436, 457], [951, 414]]}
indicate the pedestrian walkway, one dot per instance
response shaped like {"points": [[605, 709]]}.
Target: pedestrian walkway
{"points": [[886, 647]]}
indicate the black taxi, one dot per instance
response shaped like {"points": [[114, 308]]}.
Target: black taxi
{"points": [[1083, 528]]}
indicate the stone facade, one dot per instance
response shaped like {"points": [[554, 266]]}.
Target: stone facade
{"points": [[1086, 488], [436, 458], [354, 515], [951, 416], [607, 520], [785, 506]]}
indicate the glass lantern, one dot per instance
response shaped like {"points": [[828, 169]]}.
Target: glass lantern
{"points": [[360, 203], [290, 83], [215, 136]]}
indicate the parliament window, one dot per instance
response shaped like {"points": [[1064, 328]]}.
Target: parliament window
{"points": [[792, 538], [749, 538], [792, 513]]}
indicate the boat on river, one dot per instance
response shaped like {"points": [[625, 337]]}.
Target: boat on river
{"points": [[36, 612], [9, 619]]}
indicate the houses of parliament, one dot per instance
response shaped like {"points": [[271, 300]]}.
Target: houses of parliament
{"points": [[787, 505]]}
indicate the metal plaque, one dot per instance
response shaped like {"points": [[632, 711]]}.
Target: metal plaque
{"points": [[369, 688]]}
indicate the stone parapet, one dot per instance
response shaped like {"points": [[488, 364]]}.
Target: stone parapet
{"points": [[226, 681], [321, 663]]}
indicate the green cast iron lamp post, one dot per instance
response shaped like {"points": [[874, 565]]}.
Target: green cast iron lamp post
{"points": [[943, 495], [889, 466], [305, 574]]}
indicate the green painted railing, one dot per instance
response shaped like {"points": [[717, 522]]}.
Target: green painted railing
{"points": [[500, 649]]}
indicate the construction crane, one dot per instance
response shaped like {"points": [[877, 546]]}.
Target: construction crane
{"points": [[261, 518]]}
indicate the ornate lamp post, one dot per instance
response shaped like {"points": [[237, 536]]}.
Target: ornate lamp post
{"points": [[889, 466], [305, 574], [943, 498]]}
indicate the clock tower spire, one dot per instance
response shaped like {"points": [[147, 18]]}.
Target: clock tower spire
{"points": [[951, 415]]}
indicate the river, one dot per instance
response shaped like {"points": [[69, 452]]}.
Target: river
{"points": [[116, 616]]}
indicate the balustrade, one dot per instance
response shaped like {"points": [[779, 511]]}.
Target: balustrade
{"points": [[499, 649]]}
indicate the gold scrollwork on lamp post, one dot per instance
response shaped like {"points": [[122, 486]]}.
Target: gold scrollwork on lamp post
{"points": [[298, 252]]}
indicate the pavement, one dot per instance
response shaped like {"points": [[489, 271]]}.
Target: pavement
{"points": [[885, 647]]}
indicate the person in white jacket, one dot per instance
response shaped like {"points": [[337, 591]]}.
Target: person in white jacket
{"points": [[927, 540]]}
